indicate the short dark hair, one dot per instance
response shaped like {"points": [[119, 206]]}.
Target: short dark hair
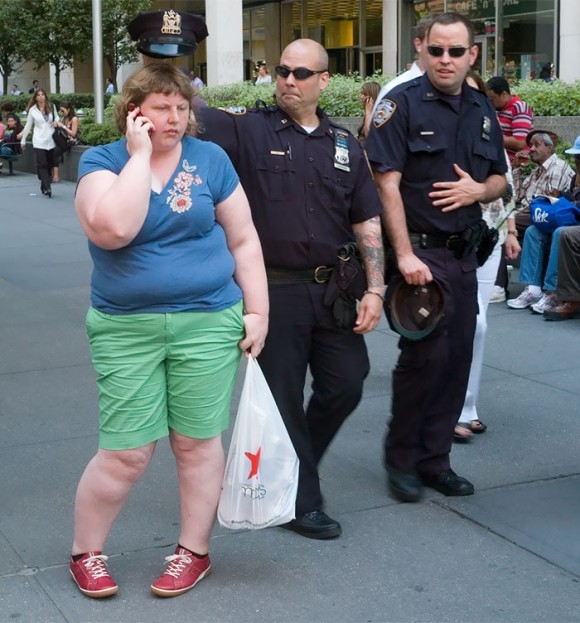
{"points": [[446, 19], [499, 85], [422, 27]]}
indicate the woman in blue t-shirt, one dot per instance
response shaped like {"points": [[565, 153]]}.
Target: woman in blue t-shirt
{"points": [[174, 252]]}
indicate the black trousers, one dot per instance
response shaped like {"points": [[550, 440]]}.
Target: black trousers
{"points": [[45, 161], [569, 265], [430, 377], [302, 334]]}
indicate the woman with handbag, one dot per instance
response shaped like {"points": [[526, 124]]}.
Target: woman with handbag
{"points": [[68, 128], [41, 116]]}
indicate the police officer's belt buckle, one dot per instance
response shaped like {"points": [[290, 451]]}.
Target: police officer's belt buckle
{"points": [[451, 242], [318, 276]]}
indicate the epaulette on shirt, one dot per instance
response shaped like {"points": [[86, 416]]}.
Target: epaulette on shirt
{"points": [[260, 106], [234, 110]]}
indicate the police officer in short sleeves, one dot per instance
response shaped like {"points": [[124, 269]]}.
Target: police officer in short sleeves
{"points": [[310, 190], [437, 151]]}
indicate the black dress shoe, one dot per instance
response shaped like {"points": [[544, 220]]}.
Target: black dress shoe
{"points": [[314, 525], [404, 486], [448, 483]]}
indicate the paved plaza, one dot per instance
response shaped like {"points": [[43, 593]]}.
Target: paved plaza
{"points": [[509, 553]]}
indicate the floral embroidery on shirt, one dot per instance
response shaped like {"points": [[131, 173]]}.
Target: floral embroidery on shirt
{"points": [[179, 199]]}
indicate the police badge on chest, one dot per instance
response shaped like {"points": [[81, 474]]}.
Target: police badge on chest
{"points": [[341, 155], [486, 129]]}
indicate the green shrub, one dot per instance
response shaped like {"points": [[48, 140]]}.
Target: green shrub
{"points": [[80, 101], [340, 99], [99, 133], [558, 99], [239, 94]]}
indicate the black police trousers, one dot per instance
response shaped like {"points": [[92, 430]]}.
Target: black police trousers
{"points": [[302, 334], [431, 375]]}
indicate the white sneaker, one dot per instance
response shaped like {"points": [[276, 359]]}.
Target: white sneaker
{"points": [[548, 301], [524, 300], [498, 295]]}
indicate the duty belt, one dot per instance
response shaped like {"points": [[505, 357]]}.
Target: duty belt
{"points": [[320, 274], [435, 241]]}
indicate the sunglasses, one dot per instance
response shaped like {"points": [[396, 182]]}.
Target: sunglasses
{"points": [[300, 73], [455, 52]]}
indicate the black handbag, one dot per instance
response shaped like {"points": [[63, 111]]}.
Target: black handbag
{"points": [[61, 139]]}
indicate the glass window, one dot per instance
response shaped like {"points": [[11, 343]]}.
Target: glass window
{"points": [[526, 29], [334, 23], [373, 23], [291, 21]]}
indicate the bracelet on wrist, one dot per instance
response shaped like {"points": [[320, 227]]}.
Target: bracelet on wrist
{"points": [[379, 294], [513, 232]]}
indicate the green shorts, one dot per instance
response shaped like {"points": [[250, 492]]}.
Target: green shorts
{"points": [[157, 372]]}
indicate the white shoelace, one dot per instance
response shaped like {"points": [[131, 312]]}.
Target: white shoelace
{"points": [[176, 564], [96, 566]]}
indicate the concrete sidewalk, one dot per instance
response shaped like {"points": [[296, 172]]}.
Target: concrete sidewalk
{"points": [[509, 553]]}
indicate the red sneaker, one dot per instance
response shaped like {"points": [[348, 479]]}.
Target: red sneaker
{"points": [[91, 575], [183, 572]]}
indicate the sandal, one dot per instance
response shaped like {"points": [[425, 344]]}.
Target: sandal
{"points": [[462, 433], [477, 427]]}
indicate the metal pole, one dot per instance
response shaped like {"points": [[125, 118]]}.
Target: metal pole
{"points": [[498, 37], [98, 61]]}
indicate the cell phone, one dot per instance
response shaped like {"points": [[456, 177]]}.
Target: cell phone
{"points": [[131, 108]]}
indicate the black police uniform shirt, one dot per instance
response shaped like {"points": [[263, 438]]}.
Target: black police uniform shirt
{"points": [[302, 204], [421, 133]]}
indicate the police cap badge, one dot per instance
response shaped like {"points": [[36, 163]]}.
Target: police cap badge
{"points": [[166, 34]]}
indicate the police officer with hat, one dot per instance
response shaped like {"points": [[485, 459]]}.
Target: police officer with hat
{"points": [[437, 151], [311, 191]]}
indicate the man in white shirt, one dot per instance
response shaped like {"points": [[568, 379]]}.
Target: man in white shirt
{"points": [[417, 68]]}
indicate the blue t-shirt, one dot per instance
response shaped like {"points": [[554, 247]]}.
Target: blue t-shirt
{"points": [[179, 260]]}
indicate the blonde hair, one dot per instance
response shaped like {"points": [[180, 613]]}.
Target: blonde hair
{"points": [[154, 78]]}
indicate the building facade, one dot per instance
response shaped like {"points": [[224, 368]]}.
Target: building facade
{"points": [[516, 38]]}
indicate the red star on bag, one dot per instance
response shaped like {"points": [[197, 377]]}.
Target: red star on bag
{"points": [[255, 461]]}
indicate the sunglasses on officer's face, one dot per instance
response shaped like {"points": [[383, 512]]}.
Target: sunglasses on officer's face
{"points": [[455, 52], [300, 73]]}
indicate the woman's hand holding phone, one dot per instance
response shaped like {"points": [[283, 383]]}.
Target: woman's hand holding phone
{"points": [[136, 123]]}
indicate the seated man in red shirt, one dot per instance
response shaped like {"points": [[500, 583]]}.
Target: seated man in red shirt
{"points": [[514, 115], [516, 120]]}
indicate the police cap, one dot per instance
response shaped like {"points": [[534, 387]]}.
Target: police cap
{"points": [[167, 33], [416, 310]]}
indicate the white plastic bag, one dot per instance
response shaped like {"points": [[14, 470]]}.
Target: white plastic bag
{"points": [[261, 475]]}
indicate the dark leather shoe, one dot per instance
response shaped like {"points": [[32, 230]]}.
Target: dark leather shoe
{"points": [[404, 486], [314, 525], [448, 483], [563, 311]]}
